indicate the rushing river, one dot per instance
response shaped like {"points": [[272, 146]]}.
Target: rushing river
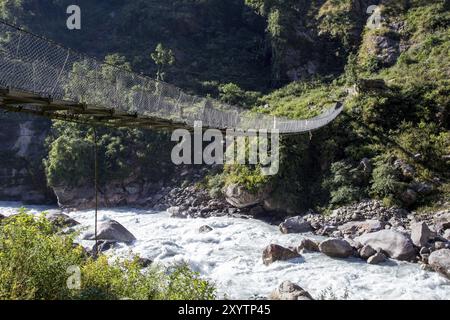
{"points": [[230, 256]]}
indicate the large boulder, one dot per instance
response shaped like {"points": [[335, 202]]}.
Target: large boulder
{"points": [[295, 225], [385, 48], [308, 245], [422, 188], [2, 217], [440, 261], [240, 197], [205, 229], [377, 258], [409, 197], [144, 262], [276, 252], [103, 245], [360, 227], [446, 235], [61, 220], [442, 221], [421, 234], [336, 248], [395, 244], [367, 251], [290, 291], [275, 204], [177, 212], [112, 230]]}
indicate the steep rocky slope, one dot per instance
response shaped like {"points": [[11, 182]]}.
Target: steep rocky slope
{"points": [[22, 149]]}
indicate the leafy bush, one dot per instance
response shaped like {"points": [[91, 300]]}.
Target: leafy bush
{"points": [[69, 158], [35, 259], [302, 100], [345, 183], [248, 177], [427, 142], [215, 184], [234, 95], [121, 153], [386, 181]]}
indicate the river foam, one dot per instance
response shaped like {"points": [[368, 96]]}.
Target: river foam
{"points": [[230, 256]]}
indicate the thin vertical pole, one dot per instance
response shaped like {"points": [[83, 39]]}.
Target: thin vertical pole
{"points": [[96, 189]]}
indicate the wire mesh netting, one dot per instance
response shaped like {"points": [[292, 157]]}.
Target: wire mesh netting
{"points": [[34, 64]]}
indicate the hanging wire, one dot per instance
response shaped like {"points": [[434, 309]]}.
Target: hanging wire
{"points": [[96, 251]]}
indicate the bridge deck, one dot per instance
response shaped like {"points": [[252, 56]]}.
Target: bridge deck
{"points": [[25, 102]]}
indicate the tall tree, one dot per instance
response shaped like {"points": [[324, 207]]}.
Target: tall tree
{"points": [[163, 57]]}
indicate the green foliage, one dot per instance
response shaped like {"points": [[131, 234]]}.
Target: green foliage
{"points": [[346, 184], [426, 17], [163, 58], [352, 70], [409, 117], [183, 284], [122, 153], [386, 181], [301, 100], [234, 95], [338, 20], [215, 185], [428, 142], [35, 259], [69, 158], [10, 9], [102, 280], [248, 177]]}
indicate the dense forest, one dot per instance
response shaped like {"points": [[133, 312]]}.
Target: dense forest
{"points": [[287, 58]]}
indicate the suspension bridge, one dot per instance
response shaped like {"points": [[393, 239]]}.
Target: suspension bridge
{"points": [[41, 77]]}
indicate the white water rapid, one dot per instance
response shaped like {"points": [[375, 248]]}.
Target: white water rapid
{"points": [[230, 256]]}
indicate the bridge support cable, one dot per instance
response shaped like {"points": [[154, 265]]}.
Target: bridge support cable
{"points": [[96, 251]]}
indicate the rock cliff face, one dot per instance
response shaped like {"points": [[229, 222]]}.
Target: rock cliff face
{"points": [[309, 39], [22, 176], [138, 193]]}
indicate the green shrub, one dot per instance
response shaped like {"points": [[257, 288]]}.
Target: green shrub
{"points": [[231, 93], [428, 141], [346, 184], [215, 184], [302, 100], [386, 182], [248, 177], [35, 259]]}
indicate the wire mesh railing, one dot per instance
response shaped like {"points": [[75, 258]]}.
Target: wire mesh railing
{"points": [[34, 64]]}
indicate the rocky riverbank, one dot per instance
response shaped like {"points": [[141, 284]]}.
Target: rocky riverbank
{"points": [[366, 230], [374, 233]]}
